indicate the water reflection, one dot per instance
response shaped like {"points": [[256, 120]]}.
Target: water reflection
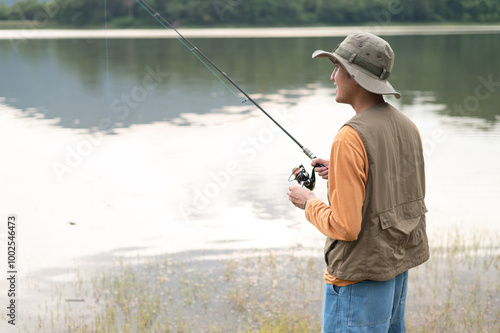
{"points": [[66, 79], [458, 70]]}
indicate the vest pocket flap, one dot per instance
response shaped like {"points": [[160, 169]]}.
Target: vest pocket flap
{"points": [[405, 217]]}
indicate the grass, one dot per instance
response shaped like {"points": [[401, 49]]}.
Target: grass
{"points": [[25, 24], [457, 290]]}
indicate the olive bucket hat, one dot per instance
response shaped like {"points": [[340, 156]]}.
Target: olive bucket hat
{"points": [[368, 59]]}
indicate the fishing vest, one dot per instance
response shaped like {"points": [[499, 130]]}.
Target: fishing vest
{"points": [[393, 236]]}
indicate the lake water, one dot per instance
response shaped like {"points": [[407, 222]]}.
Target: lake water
{"points": [[172, 161]]}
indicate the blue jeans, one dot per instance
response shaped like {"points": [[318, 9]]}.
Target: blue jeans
{"points": [[367, 306]]}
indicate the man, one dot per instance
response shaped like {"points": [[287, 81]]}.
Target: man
{"points": [[375, 221]]}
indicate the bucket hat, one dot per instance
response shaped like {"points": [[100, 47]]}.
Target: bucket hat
{"points": [[368, 59]]}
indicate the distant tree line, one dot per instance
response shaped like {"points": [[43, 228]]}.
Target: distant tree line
{"points": [[128, 13]]}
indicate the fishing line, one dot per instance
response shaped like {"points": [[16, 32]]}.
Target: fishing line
{"points": [[299, 172], [157, 16], [107, 61]]}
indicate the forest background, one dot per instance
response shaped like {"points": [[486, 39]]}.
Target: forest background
{"points": [[244, 13]]}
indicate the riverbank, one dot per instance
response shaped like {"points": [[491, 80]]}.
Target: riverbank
{"points": [[383, 30], [269, 290]]}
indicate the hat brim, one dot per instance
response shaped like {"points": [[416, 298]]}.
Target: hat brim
{"points": [[364, 78]]}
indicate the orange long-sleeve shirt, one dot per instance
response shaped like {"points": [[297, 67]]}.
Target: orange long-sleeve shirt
{"points": [[347, 177]]}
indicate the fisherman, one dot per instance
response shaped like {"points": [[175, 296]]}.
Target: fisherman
{"points": [[375, 219]]}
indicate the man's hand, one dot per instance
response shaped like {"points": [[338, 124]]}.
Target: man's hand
{"points": [[322, 171], [299, 195]]}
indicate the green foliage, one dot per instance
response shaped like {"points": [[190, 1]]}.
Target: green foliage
{"points": [[127, 13], [5, 12], [123, 22], [25, 10]]}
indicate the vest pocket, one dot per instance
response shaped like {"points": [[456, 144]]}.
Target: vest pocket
{"points": [[403, 216], [399, 231]]}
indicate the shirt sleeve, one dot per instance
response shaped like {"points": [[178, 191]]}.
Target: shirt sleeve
{"points": [[347, 177]]}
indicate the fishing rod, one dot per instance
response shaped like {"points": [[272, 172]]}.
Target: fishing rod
{"points": [[299, 173]]}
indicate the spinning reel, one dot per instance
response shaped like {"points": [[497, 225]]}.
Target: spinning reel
{"points": [[302, 177]]}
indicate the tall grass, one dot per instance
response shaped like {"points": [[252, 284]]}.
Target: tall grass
{"points": [[457, 290]]}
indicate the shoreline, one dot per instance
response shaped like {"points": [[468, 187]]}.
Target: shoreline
{"points": [[27, 34]]}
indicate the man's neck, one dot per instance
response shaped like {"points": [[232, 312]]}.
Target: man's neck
{"points": [[367, 101]]}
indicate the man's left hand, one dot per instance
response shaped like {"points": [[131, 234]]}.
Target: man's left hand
{"points": [[299, 195]]}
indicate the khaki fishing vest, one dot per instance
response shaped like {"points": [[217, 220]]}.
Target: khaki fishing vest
{"points": [[393, 237]]}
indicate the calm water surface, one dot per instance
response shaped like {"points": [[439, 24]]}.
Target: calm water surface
{"points": [[186, 165]]}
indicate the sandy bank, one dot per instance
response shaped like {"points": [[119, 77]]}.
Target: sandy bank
{"points": [[251, 32]]}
